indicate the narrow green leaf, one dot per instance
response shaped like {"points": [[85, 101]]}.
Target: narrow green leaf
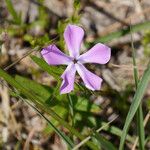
{"points": [[52, 70], [46, 94], [62, 113], [16, 17], [142, 85], [123, 32], [61, 134], [139, 113], [71, 108], [140, 122], [35, 99], [40, 90], [38, 102], [52, 99], [104, 143], [90, 136], [92, 121], [83, 104]]}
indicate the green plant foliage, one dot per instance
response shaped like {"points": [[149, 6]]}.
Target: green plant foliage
{"points": [[42, 21], [38, 102], [148, 103], [123, 32], [139, 113], [52, 70], [34, 41], [84, 104], [41, 91], [58, 103], [146, 43], [75, 18], [92, 121], [135, 103], [60, 30], [16, 17], [103, 142]]}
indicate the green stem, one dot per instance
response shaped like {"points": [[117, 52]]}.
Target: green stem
{"points": [[140, 127], [71, 108], [139, 113], [142, 86], [114, 35]]}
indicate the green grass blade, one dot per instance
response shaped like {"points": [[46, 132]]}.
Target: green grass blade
{"points": [[139, 113], [14, 83], [142, 85], [52, 70], [104, 143], [123, 32], [38, 103], [40, 90], [118, 132], [61, 134], [71, 108], [48, 96], [16, 17], [141, 133], [90, 136]]}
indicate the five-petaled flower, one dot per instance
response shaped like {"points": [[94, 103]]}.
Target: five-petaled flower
{"points": [[99, 54]]}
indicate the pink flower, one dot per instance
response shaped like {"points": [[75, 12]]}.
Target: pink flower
{"points": [[99, 54]]}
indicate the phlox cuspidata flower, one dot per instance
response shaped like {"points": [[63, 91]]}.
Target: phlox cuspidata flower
{"points": [[99, 54]]}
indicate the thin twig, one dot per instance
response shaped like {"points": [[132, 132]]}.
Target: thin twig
{"points": [[18, 60], [26, 145], [29, 52]]}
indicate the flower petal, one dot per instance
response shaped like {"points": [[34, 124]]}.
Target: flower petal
{"points": [[53, 56], [68, 79], [99, 54], [73, 36], [91, 81]]}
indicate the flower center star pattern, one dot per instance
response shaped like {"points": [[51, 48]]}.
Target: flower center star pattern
{"points": [[99, 54]]}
